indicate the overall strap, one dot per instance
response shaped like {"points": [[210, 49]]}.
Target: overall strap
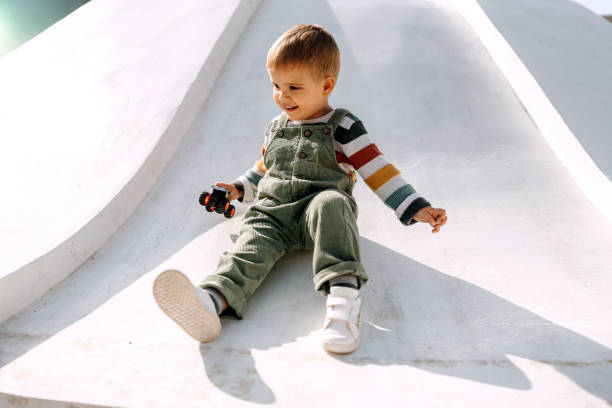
{"points": [[282, 121], [338, 116]]}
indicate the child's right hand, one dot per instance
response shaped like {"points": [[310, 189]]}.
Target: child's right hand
{"points": [[234, 193]]}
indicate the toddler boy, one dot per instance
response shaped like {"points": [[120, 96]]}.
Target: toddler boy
{"points": [[303, 183]]}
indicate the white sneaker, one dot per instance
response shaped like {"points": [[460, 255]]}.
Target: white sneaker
{"points": [[190, 307], [340, 332]]}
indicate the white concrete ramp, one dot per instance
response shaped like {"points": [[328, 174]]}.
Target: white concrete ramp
{"points": [[91, 112], [571, 65], [508, 305]]}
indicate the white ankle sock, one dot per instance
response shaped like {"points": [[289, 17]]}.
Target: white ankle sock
{"points": [[349, 281], [217, 299]]}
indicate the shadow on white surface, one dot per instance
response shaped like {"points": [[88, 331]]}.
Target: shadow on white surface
{"points": [[10, 400], [460, 133], [430, 321]]}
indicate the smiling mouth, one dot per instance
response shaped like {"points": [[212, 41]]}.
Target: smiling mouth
{"points": [[290, 108]]}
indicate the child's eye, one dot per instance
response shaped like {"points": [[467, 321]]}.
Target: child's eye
{"points": [[294, 88], [275, 86]]}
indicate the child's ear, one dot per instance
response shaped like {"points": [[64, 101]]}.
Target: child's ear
{"points": [[328, 85]]}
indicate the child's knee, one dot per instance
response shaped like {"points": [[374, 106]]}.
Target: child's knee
{"points": [[332, 201]]}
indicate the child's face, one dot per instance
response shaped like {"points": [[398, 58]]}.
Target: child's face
{"points": [[298, 93]]}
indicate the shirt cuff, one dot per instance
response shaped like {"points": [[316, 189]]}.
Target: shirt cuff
{"points": [[249, 189], [412, 209], [240, 188]]}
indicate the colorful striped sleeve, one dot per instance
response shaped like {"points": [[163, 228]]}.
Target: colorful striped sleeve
{"points": [[383, 178]]}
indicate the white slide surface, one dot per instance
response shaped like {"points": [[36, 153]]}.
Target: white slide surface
{"points": [[508, 305]]}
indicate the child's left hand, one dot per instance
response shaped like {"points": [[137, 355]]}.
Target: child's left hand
{"points": [[436, 217]]}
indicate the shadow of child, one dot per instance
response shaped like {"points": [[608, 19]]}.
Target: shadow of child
{"points": [[413, 315]]}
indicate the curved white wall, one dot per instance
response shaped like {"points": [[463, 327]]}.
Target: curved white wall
{"points": [[579, 163], [91, 111], [510, 302]]}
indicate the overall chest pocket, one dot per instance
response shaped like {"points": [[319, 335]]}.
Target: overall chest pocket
{"points": [[310, 151], [321, 143], [280, 153]]}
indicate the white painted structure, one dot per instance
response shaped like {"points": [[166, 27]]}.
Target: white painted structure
{"points": [[90, 113], [602, 7], [561, 76], [508, 303]]}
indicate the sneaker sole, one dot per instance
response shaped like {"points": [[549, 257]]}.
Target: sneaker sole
{"points": [[341, 348], [177, 297]]}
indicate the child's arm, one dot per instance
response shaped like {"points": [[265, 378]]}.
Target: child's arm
{"points": [[244, 188], [356, 150], [248, 182]]}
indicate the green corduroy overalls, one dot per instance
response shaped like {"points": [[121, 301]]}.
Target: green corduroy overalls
{"points": [[304, 202]]}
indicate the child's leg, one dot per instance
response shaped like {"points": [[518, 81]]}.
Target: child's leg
{"points": [[196, 309], [190, 307], [260, 245], [331, 227]]}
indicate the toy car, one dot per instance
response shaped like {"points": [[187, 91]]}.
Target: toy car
{"points": [[217, 201]]}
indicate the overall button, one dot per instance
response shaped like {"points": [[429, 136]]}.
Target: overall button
{"points": [[280, 133], [307, 133], [326, 131], [302, 155]]}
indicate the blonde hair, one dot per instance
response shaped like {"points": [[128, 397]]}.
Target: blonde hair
{"points": [[307, 45]]}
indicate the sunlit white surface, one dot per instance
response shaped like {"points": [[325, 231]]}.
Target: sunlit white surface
{"points": [[603, 7], [509, 303], [596, 185], [90, 113]]}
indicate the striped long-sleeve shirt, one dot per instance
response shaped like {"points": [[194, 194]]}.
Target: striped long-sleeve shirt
{"points": [[355, 151]]}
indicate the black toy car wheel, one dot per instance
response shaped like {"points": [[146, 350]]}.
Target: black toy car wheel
{"points": [[204, 197], [229, 212]]}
